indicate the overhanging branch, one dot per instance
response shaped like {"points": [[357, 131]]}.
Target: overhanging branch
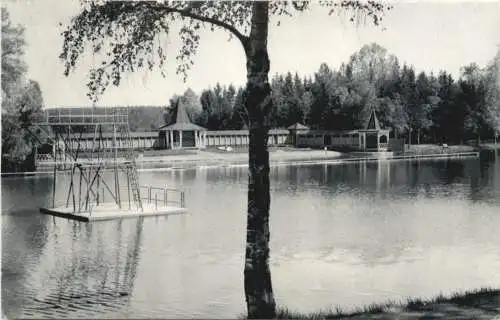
{"points": [[188, 13]]}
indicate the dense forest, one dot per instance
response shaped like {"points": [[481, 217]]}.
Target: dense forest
{"points": [[421, 107]]}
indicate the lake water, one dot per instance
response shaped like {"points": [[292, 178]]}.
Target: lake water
{"points": [[344, 235]]}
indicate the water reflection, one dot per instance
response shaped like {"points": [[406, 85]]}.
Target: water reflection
{"points": [[67, 267], [346, 234]]}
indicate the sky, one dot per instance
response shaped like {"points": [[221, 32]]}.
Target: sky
{"points": [[430, 35]]}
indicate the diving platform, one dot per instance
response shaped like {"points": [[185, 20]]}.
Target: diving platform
{"points": [[110, 211], [84, 117], [150, 202], [109, 148]]}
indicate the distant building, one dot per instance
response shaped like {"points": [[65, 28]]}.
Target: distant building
{"points": [[295, 130], [371, 138], [181, 133]]}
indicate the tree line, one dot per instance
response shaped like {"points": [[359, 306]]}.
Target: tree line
{"points": [[22, 100], [422, 107], [419, 107]]}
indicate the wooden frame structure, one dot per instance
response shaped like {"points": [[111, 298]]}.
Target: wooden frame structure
{"points": [[86, 172]]}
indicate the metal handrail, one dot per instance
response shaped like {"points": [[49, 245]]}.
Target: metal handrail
{"points": [[152, 197]]}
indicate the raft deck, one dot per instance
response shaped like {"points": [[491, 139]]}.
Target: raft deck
{"points": [[110, 211]]}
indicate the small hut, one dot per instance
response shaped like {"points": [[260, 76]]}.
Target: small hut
{"points": [[182, 133]]}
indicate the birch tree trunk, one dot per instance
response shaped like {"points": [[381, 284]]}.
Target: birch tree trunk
{"points": [[258, 287]]}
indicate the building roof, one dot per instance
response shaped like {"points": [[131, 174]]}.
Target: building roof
{"points": [[181, 116], [182, 121], [109, 135], [182, 127], [298, 126], [242, 132], [373, 122]]}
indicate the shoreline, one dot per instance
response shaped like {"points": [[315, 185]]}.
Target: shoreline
{"points": [[293, 157]]}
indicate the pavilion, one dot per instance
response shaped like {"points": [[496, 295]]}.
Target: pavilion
{"points": [[295, 130], [373, 138], [370, 139], [182, 133]]}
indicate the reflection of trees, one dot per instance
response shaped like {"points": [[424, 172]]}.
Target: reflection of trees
{"points": [[396, 177], [181, 176], [448, 171], [484, 178], [24, 236], [99, 269], [233, 175], [496, 174], [16, 190], [372, 176], [285, 178], [24, 230]]}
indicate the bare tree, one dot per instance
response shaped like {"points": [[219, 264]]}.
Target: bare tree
{"points": [[128, 33]]}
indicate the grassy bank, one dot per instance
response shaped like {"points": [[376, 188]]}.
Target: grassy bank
{"points": [[239, 156], [428, 149], [490, 146], [477, 304]]}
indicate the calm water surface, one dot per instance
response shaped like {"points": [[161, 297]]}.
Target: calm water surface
{"points": [[343, 235]]}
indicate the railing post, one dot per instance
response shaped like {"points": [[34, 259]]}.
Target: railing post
{"points": [[156, 201], [165, 197], [128, 190], [149, 194]]}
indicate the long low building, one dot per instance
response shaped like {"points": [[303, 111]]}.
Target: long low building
{"points": [[277, 137], [181, 134], [151, 140], [88, 141]]}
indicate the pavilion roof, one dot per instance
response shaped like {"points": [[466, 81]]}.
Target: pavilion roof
{"points": [[297, 126], [373, 123], [182, 121]]}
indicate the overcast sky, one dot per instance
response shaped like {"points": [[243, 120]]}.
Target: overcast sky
{"points": [[430, 35]]}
